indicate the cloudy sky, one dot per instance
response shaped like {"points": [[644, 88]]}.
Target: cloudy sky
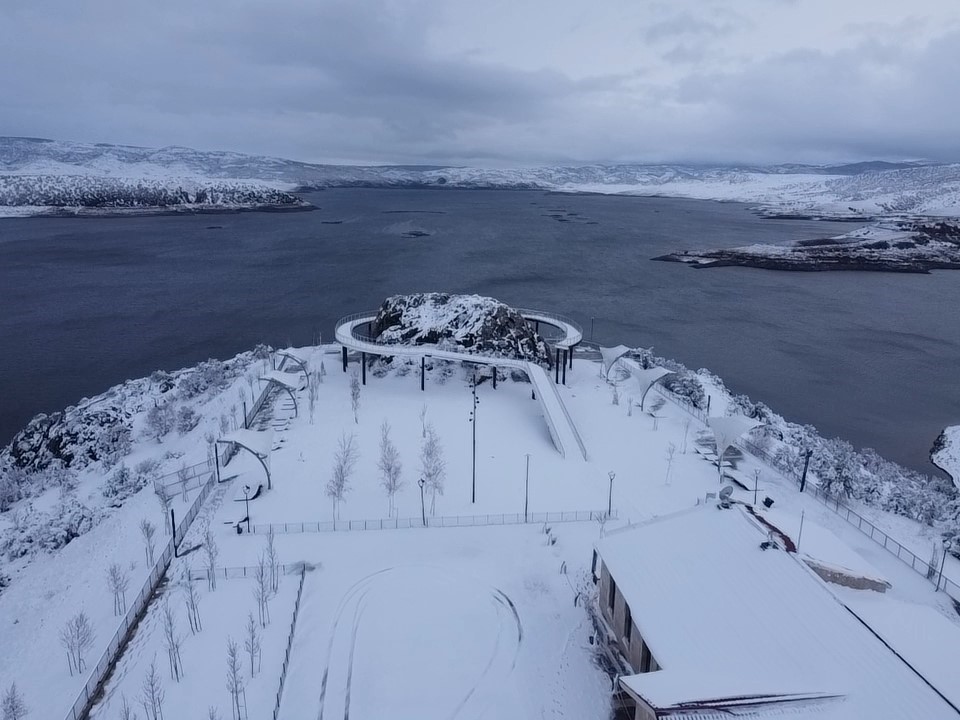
{"points": [[491, 82]]}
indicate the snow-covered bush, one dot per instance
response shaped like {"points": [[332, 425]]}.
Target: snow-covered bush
{"points": [[122, 483], [37, 531], [113, 444], [187, 419], [209, 374], [160, 421]]}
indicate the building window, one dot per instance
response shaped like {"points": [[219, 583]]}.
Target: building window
{"points": [[612, 595], [645, 659], [627, 623]]}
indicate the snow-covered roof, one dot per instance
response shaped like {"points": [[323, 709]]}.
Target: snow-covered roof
{"points": [[287, 380], [925, 638], [711, 603], [259, 442]]}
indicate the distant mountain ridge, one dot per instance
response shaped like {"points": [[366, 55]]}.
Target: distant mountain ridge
{"points": [[857, 189]]}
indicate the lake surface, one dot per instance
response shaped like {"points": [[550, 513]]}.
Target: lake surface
{"points": [[87, 303]]}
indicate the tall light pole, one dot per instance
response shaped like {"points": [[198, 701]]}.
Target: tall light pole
{"points": [[611, 475], [423, 510], [246, 502], [591, 328], [473, 421], [526, 490]]}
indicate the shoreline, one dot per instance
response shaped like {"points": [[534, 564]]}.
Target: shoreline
{"points": [[945, 453], [107, 213]]}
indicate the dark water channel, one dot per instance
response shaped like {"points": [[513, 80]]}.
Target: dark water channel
{"points": [[86, 303]]}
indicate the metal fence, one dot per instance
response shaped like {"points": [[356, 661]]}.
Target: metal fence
{"points": [[834, 503], [286, 654], [440, 521], [238, 572], [135, 611], [894, 547], [189, 477]]}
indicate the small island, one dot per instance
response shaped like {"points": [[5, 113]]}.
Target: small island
{"points": [[910, 246]]}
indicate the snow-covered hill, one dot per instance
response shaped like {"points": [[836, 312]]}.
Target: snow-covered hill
{"points": [[861, 189]]}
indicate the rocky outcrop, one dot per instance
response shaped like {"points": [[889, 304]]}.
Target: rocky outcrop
{"points": [[902, 246], [468, 323]]}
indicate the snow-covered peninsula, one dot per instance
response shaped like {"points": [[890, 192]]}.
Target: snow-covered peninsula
{"points": [[913, 246], [38, 173]]}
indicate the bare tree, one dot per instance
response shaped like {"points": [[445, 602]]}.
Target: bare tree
{"points": [[686, 431], [233, 416], [433, 468], [423, 420], [126, 712], [76, 636], [262, 590], [234, 678], [148, 530], [671, 451], [224, 424], [343, 463], [118, 581], [615, 398], [191, 597], [355, 396], [212, 552], [313, 388], [211, 440], [213, 713], [13, 706], [252, 644], [164, 501], [183, 476], [152, 693], [273, 561], [171, 641], [390, 467]]}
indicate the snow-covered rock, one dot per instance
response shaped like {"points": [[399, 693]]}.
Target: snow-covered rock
{"points": [[891, 246], [473, 323], [946, 452]]}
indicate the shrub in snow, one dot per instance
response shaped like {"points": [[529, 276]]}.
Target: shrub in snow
{"points": [[262, 352], [211, 374], [12, 706], [48, 531], [160, 421], [187, 419]]}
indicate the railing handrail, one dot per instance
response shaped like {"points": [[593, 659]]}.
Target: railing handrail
{"points": [[437, 521]]}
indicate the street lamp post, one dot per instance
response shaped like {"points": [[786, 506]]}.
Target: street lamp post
{"points": [[806, 464], [246, 502], [611, 475], [591, 328], [423, 511], [526, 490], [473, 420]]}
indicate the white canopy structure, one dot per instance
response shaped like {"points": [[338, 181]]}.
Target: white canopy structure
{"points": [[647, 378], [256, 442], [299, 359], [726, 431], [284, 381], [611, 355]]}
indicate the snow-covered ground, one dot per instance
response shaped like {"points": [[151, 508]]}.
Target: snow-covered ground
{"points": [[441, 621]]}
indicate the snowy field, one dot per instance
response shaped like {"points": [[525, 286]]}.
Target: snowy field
{"points": [[445, 622]]}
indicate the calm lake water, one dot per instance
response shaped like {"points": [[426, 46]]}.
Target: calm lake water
{"points": [[86, 303]]}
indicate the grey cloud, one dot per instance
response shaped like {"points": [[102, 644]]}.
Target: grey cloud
{"points": [[365, 81]]}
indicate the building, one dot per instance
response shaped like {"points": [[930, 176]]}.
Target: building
{"points": [[709, 624]]}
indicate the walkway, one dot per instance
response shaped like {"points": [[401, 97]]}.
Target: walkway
{"points": [[564, 433]]}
